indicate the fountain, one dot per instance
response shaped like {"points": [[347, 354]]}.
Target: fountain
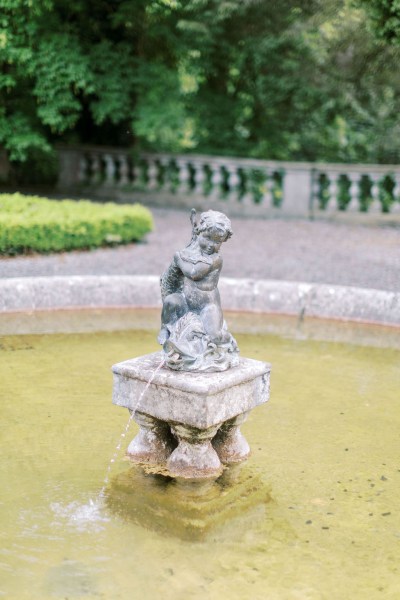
{"points": [[312, 515], [198, 390]]}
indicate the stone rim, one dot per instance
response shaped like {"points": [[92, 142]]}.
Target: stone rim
{"points": [[363, 305]]}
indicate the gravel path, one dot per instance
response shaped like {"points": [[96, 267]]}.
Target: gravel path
{"points": [[315, 252]]}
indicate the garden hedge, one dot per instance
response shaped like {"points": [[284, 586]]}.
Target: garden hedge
{"points": [[31, 223]]}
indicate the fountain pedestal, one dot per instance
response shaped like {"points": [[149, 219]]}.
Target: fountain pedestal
{"points": [[189, 422]]}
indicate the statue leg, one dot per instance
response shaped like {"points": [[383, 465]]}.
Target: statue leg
{"points": [[212, 319], [174, 307]]}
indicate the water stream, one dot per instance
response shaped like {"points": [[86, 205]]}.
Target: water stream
{"points": [[82, 515], [126, 430]]}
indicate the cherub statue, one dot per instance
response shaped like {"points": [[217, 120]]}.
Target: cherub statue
{"points": [[193, 332]]}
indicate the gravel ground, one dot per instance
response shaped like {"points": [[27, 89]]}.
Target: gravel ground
{"points": [[293, 250]]}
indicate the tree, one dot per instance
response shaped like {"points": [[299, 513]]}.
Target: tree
{"points": [[221, 76], [385, 18], [69, 68], [359, 76], [253, 70], [172, 72]]}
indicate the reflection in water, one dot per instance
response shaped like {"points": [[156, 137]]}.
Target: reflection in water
{"points": [[189, 510]]}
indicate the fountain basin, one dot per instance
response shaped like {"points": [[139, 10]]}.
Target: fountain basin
{"points": [[316, 516]]}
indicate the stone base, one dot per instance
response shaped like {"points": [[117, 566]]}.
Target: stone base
{"points": [[189, 422], [154, 443], [229, 443]]}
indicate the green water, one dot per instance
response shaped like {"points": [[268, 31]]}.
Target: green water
{"points": [[319, 521]]}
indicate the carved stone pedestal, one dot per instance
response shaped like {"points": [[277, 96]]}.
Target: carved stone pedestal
{"points": [[189, 422], [229, 443], [194, 457], [154, 442]]}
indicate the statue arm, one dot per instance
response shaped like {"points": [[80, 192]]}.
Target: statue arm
{"points": [[194, 271]]}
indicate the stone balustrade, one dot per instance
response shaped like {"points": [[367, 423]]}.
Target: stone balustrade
{"points": [[355, 188], [238, 185]]}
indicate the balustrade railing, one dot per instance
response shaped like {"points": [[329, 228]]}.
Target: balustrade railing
{"points": [[301, 189], [206, 176], [358, 188]]}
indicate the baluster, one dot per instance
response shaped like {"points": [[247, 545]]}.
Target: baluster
{"points": [[354, 191], [277, 181], [332, 205], [248, 196], [137, 172], [375, 205], [395, 208], [183, 175], [83, 169], [265, 188], [216, 180], [95, 171], [109, 170], [123, 170], [268, 198], [314, 193], [152, 175], [242, 185], [233, 179], [259, 187], [162, 166], [199, 177], [320, 183]]}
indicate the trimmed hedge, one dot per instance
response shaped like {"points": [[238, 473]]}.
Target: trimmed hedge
{"points": [[31, 223]]}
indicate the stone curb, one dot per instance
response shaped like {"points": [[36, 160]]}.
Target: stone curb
{"points": [[264, 296]]}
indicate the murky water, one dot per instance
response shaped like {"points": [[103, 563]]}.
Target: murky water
{"points": [[314, 513]]}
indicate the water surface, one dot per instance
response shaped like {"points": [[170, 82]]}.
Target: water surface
{"points": [[320, 519]]}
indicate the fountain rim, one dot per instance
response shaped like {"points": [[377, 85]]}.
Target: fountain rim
{"points": [[292, 298]]}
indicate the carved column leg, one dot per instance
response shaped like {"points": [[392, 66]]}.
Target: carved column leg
{"points": [[229, 443], [194, 458], [154, 442]]}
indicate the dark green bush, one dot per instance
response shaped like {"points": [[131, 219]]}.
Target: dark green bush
{"points": [[30, 223], [40, 168]]}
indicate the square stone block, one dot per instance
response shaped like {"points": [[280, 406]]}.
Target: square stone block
{"points": [[200, 400]]}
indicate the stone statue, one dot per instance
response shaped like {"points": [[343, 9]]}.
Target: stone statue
{"points": [[193, 332], [188, 412]]}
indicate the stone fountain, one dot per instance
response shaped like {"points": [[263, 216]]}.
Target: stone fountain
{"points": [[190, 398]]}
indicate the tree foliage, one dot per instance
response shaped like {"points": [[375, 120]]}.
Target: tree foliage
{"points": [[385, 17], [304, 79]]}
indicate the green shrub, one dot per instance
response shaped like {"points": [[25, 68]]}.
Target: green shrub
{"points": [[30, 223]]}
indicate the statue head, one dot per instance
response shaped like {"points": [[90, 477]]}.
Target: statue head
{"points": [[215, 223]]}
